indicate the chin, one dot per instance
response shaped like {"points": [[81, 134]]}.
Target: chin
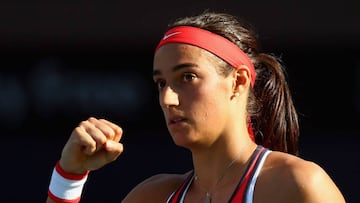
{"points": [[183, 140]]}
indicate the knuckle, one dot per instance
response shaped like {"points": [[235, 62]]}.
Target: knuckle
{"points": [[83, 123], [77, 130]]}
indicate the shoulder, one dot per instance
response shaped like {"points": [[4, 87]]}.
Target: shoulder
{"points": [[293, 178], [158, 188]]}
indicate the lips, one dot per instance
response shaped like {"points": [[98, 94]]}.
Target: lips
{"points": [[175, 120]]}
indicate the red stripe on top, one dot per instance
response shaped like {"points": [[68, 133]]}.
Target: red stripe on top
{"points": [[70, 176]]}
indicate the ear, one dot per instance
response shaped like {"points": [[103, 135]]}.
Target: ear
{"points": [[241, 79]]}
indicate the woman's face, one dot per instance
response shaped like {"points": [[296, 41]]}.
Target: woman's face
{"points": [[193, 96]]}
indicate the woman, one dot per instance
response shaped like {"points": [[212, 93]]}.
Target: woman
{"points": [[226, 102]]}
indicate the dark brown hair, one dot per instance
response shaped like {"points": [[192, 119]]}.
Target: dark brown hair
{"points": [[270, 106]]}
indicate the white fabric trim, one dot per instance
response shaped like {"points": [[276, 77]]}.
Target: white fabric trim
{"points": [[250, 195]]}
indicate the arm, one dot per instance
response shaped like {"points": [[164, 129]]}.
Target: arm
{"points": [[91, 145]]}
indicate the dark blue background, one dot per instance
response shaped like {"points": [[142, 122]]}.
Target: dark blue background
{"points": [[64, 61]]}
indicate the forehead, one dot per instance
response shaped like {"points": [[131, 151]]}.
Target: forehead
{"points": [[173, 54]]}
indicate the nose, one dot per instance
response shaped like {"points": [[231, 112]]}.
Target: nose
{"points": [[168, 97]]}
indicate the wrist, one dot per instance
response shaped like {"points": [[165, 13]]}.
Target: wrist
{"points": [[68, 168]]}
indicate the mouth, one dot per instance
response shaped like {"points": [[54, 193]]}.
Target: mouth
{"points": [[176, 120]]}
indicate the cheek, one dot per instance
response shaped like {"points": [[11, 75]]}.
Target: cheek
{"points": [[210, 116], [208, 101], [208, 105], [216, 98]]}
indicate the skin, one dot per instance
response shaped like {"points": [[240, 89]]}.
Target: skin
{"points": [[205, 113]]}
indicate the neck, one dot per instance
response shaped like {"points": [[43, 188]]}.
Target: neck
{"points": [[213, 166]]}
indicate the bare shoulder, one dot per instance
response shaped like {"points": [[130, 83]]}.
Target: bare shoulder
{"points": [[156, 188], [285, 177]]}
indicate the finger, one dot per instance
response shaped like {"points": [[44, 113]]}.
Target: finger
{"points": [[96, 134], [104, 127], [117, 129], [84, 140], [109, 153]]}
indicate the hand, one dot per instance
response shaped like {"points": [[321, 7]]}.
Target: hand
{"points": [[93, 144]]}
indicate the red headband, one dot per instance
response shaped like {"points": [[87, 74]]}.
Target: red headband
{"points": [[211, 42]]}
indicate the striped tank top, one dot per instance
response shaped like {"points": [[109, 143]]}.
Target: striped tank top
{"points": [[244, 190]]}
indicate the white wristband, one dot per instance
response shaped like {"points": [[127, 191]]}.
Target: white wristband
{"points": [[66, 188]]}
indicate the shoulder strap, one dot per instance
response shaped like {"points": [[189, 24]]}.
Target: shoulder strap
{"points": [[176, 196], [238, 193]]}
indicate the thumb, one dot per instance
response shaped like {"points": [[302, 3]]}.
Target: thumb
{"points": [[113, 150]]}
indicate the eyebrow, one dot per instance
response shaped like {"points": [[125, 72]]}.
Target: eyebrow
{"points": [[177, 68]]}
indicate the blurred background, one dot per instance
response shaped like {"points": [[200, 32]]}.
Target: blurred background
{"points": [[63, 61]]}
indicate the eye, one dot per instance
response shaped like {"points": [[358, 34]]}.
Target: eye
{"points": [[160, 84], [188, 77]]}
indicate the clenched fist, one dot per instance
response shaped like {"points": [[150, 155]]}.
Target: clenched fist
{"points": [[93, 144]]}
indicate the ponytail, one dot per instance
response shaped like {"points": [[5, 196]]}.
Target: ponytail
{"points": [[274, 118]]}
